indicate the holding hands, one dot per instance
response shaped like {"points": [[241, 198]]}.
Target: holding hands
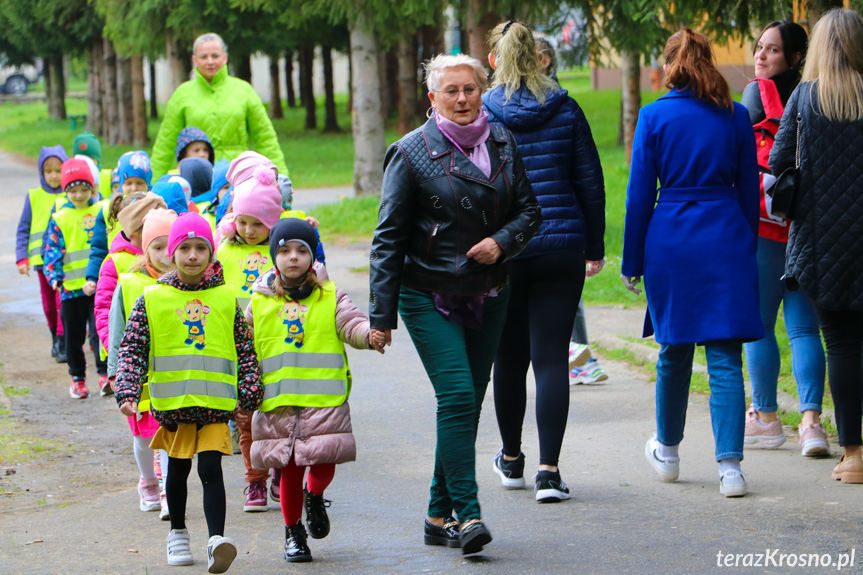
{"points": [[379, 338]]}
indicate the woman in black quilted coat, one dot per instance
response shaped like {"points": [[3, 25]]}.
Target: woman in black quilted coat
{"points": [[825, 244]]}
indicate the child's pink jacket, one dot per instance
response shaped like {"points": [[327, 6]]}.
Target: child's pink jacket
{"points": [[108, 278]]}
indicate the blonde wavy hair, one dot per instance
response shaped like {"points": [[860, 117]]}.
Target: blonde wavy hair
{"points": [[835, 61], [516, 61]]}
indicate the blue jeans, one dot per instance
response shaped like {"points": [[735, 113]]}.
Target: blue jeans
{"points": [[727, 396], [801, 323]]}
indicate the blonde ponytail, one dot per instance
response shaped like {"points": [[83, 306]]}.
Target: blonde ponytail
{"points": [[516, 61]]}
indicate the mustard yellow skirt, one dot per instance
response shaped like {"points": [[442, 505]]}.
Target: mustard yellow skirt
{"points": [[189, 440]]}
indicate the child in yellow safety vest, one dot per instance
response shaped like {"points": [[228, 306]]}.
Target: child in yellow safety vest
{"points": [[145, 270], [300, 324], [188, 339], [67, 250], [38, 206]]}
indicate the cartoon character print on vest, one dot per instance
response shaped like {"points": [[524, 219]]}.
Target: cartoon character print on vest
{"points": [[293, 315], [88, 224], [193, 316], [252, 266]]}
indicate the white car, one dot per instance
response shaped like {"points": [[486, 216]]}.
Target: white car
{"points": [[17, 79]]}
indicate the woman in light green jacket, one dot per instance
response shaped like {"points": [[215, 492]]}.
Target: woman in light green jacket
{"points": [[226, 108]]}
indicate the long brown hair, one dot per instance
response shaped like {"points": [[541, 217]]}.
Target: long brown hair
{"points": [[690, 62]]}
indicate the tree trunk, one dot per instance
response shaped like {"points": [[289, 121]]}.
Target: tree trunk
{"points": [[383, 91], [94, 88], [350, 104], [407, 82], [306, 55], [139, 104], [243, 67], [275, 90], [432, 43], [331, 123], [55, 87], [179, 74], [631, 98], [110, 112], [817, 8], [289, 79], [368, 131], [154, 110], [479, 23], [124, 102]]}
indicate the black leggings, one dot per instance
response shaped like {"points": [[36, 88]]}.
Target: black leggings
{"points": [[542, 307], [210, 472], [843, 334], [77, 316]]}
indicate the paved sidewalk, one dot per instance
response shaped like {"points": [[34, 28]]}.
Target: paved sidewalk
{"points": [[622, 519]]}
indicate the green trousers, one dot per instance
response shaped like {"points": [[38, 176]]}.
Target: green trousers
{"points": [[458, 362]]}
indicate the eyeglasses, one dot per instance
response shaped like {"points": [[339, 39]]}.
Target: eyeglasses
{"points": [[452, 92]]}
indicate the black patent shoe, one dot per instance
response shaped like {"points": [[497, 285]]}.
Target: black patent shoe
{"points": [[474, 535], [61, 350], [296, 550], [316, 515], [446, 536]]}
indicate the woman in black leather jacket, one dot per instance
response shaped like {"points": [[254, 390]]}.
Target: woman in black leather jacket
{"points": [[456, 204], [825, 243]]}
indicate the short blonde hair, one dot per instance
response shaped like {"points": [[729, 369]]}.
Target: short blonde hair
{"points": [[208, 37], [835, 61], [436, 67]]}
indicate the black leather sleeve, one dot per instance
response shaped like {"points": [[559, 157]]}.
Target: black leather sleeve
{"points": [[589, 185], [391, 239], [525, 215]]}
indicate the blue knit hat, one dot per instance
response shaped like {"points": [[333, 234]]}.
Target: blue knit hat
{"points": [[172, 193], [135, 165], [192, 134]]}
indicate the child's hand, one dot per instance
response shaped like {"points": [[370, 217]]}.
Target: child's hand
{"points": [[24, 269], [111, 382], [241, 416], [380, 338], [376, 343], [129, 409], [55, 285], [313, 221], [90, 287]]}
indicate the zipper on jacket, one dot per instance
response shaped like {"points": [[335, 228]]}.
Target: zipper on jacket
{"points": [[430, 240]]}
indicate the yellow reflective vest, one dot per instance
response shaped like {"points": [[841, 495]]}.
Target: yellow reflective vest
{"points": [[193, 355], [302, 358], [242, 265], [76, 225], [110, 232], [41, 203], [132, 286]]}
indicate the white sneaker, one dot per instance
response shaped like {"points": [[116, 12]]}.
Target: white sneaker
{"points": [[221, 552], [732, 484], [148, 493], [668, 468], [579, 354], [164, 515], [179, 552]]}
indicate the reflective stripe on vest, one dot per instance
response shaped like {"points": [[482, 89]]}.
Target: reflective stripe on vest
{"points": [[302, 359], [242, 264], [193, 356], [41, 203], [132, 287], [76, 225]]}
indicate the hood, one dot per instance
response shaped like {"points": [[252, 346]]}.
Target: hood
{"points": [[172, 193], [122, 244], [193, 134], [199, 173], [213, 277], [522, 112], [49, 152]]}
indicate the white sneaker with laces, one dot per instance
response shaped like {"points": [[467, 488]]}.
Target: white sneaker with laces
{"points": [[179, 552], [668, 468], [579, 354], [221, 552], [732, 484]]}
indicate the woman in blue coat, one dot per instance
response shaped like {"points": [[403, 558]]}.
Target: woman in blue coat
{"points": [[694, 241]]}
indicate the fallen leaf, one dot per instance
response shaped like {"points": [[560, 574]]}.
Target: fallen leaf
{"points": [[133, 550], [38, 541]]}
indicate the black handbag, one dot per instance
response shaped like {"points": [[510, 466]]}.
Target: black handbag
{"points": [[783, 192]]}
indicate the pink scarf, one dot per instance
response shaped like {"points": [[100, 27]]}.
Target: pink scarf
{"points": [[470, 139]]}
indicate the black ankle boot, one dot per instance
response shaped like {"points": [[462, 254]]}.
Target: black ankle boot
{"points": [[316, 515], [296, 550], [55, 347], [61, 349]]}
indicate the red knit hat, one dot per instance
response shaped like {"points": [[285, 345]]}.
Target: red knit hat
{"points": [[75, 172]]}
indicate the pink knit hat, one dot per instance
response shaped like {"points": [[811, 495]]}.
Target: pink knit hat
{"points": [[157, 223], [244, 165], [259, 197], [187, 226]]}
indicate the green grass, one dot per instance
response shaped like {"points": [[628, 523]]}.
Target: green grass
{"points": [[352, 219], [9, 390]]}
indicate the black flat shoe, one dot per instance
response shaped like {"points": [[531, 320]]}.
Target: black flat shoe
{"points": [[446, 536], [474, 535], [316, 515], [296, 549]]}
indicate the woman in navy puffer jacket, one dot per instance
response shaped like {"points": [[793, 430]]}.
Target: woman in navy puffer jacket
{"points": [[548, 276]]}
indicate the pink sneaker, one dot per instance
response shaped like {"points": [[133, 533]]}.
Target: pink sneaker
{"points": [[148, 490], [813, 440], [256, 497], [769, 435]]}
